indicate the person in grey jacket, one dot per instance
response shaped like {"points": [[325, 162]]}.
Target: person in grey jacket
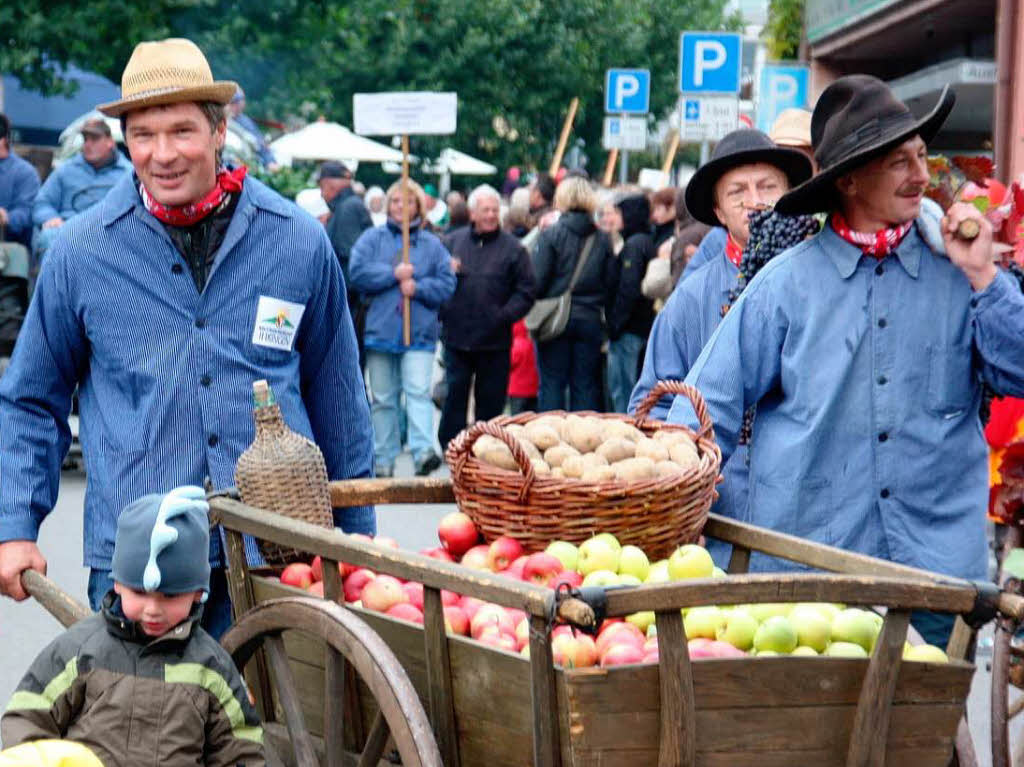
{"points": [[78, 184]]}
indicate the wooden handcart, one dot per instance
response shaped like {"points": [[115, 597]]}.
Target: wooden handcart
{"points": [[338, 685]]}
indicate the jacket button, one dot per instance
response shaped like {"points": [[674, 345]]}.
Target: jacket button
{"points": [[879, 269], [883, 437], [882, 323], [205, 380], [176, 269], [882, 380], [200, 323], [212, 441], [885, 492]]}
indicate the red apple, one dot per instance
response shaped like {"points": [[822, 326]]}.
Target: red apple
{"points": [[316, 588], [577, 651], [541, 568], [495, 637], [297, 574], [438, 553], [449, 598], [457, 533], [503, 552], [383, 540], [570, 577], [455, 620], [318, 568], [406, 612], [700, 647], [622, 654], [382, 593], [725, 650], [356, 582], [470, 605], [522, 634], [651, 656], [415, 593], [651, 644], [608, 622], [619, 633], [475, 558], [515, 614], [561, 629], [491, 615], [515, 570]]}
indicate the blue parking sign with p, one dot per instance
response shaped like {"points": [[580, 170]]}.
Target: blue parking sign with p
{"points": [[709, 62], [627, 91], [781, 87]]}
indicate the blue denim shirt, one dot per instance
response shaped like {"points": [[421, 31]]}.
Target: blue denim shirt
{"points": [[712, 244], [165, 373], [680, 330], [867, 379]]}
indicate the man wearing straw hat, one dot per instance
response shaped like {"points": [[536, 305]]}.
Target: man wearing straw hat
{"points": [[864, 350], [162, 304]]}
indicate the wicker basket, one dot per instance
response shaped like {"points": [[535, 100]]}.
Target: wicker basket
{"points": [[656, 514], [282, 471]]}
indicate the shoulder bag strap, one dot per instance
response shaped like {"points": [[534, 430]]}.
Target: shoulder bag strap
{"points": [[581, 261]]}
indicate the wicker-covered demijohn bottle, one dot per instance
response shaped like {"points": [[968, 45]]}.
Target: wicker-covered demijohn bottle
{"points": [[282, 471]]}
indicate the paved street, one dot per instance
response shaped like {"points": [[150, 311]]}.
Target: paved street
{"points": [[25, 628]]}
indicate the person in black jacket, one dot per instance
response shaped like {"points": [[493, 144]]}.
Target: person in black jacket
{"points": [[349, 219], [573, 359], [630, 315], [494, 290]]}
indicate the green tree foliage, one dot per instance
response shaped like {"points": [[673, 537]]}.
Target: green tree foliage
{"points": [[515, 64], [784, 29]]}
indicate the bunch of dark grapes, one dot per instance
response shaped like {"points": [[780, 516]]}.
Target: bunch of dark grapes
{"points": [[987, 392], [770, 234]]}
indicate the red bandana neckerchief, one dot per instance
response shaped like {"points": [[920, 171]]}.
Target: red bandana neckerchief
{"points": [[878, 244], [733, 251], [228, 181]]}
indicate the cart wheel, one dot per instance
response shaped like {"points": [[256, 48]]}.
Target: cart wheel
{"points": [[348, 637]]}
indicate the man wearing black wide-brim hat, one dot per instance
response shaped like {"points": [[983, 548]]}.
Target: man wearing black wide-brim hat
{"points": [[864, 350], [746, 173]]}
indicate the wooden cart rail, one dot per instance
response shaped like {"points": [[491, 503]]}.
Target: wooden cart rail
{"points": [[900, 589]]}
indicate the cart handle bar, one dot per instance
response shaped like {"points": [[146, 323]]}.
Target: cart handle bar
{"points": [[61, 605]]}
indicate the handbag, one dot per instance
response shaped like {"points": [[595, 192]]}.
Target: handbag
{"points": [[549, 316]]}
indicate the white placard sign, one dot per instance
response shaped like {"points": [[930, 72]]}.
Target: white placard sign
{"points": [[397, 113], [708, 118], [625, 133]]}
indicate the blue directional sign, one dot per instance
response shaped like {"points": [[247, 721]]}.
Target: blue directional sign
{"points": [[782, 86], [709, 62], [627, 91], [692, 109]]}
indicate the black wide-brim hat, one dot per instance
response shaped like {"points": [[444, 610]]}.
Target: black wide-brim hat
{"points": [[745, 146], [857, 118]]}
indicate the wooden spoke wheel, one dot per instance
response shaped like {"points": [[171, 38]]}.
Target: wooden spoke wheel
{"points": [[351, 647]]}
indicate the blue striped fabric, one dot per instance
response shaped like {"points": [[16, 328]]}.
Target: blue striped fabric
{"points": [[165, 373]]}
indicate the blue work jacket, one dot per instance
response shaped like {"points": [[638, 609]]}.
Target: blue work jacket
{"points": [[76, 186], [867, 377], [372, 269], [165, 372]]}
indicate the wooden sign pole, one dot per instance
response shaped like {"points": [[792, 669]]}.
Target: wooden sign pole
{"points": [[671, 155], [556, 161], [609, 169], [406, 303]]}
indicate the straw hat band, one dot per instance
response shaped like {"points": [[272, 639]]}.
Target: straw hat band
{"points": [[164, 77], [870, 132]]}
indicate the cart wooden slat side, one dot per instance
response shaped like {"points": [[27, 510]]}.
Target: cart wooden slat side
{"points": [[756, 711]]}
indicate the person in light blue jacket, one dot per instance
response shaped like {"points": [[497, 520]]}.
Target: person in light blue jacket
{"points": [[378, 273], [78, 184]]}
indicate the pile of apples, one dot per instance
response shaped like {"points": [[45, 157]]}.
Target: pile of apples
{"points": [[712, 632]]}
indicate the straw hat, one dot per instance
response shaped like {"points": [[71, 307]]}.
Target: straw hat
{"points": [[168, 71], [791, 128]]}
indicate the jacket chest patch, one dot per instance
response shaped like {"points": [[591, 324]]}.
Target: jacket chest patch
{"points": [[276, 323]]}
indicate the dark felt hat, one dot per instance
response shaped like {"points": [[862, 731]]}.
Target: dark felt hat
{"points": [[741, 147], [857, 118]]}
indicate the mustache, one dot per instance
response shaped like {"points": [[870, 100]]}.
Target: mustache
{"points": [[911, 189]]}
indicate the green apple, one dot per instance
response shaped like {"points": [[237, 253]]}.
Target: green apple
{"points": [[718, 572], [610, 539], [629, 580], [601, 578], [857, 626], [703, 622], [776, 634], [642, 620], [690, 561], [767, 654], [845, 650], [739, 629], [658, 572], [926, 653], [633, 561], [826, 609], [813, 629], [652, 630], [765, 610], [597, 554], [564, 552], [803, 650]]}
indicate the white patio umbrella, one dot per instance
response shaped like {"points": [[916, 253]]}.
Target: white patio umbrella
{"points": [[330, 141], [459, 163]]}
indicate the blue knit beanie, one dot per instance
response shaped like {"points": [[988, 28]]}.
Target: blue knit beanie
{"points": [[163, 543]]}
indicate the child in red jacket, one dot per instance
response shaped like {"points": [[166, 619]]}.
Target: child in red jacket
{"points": [[523, 379]]}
